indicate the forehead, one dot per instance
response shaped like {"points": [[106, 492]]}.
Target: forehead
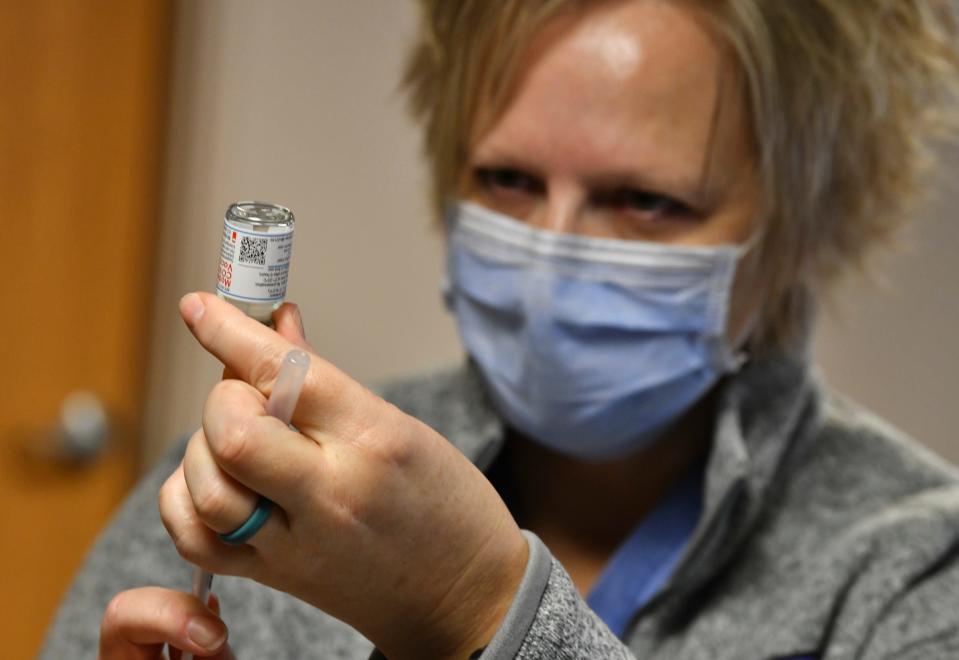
{"points": [[631, 85]]}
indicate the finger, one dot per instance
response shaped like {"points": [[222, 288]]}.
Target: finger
{"points": [[137, 623], [258, 451], [254, 353], [221, 502], [289, 324], [225, 654], [196, 542], [213, 602]]}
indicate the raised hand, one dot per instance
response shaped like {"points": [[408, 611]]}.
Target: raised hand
{"points": [[379, 520]]}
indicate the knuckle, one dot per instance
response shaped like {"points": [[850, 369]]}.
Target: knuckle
{"points": [[211, 501], [388, 450], [231, 428], [399, 452], [236, 443], [222, 396], [230, 387], [114, 610], [162, 499], [187, 547], [197, 437], [164, 503], [173, 521]]}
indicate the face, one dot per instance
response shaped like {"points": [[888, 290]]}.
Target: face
{"points": [[621, 127]]}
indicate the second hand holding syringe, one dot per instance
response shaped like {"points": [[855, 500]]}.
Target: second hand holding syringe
{"points": [[281, 404]]}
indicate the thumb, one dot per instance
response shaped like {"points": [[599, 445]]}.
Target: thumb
{"points": [[138, 622], [288, 323], [249, 350], [253, 352]]}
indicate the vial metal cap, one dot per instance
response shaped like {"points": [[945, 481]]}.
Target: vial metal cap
{"points": [[263, 214]]}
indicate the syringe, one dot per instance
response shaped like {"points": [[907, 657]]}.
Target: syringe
{"points": [[281, 404]]}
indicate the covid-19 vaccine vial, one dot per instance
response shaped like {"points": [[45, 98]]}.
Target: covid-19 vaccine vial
{"points": [[255, 257]]}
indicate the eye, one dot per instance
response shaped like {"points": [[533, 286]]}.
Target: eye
{"points": [[507, 180], [647, 205]]}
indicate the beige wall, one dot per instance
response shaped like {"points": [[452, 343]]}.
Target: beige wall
{"points": [[294, 101]]}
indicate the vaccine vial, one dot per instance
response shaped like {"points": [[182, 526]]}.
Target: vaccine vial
{"points": [[255, 257]]}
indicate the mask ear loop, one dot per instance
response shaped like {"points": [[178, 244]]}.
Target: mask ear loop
{"points": [[735, 352], [733, 355], [450, 212]]}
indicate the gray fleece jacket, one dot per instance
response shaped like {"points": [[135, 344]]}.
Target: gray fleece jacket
{"points": [[824, 533]]}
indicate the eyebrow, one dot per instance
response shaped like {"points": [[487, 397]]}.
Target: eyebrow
{"points": [[694, 189]]}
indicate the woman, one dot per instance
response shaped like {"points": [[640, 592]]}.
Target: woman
{"points": [[648, 197]]}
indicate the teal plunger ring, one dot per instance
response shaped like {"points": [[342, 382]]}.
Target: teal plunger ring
{"points": [[257, 519]]}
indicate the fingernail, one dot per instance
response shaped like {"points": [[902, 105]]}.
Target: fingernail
{"points": [[206, 633], [192, 308]]}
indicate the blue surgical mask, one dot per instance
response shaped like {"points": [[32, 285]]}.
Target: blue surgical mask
{"points": [[589, 346]]}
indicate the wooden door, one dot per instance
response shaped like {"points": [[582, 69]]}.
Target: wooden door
{"points": [[83, 86]]}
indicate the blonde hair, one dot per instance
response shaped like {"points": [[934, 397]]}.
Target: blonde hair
{"points": [[845, 99]]}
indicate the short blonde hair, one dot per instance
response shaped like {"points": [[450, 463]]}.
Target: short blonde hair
{"points": [[845, 98]]}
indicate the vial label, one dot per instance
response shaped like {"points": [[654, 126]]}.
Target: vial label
{"points": [[254, 265]]}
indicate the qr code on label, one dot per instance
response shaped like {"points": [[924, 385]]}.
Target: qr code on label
{"points": [[253, 251]]}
